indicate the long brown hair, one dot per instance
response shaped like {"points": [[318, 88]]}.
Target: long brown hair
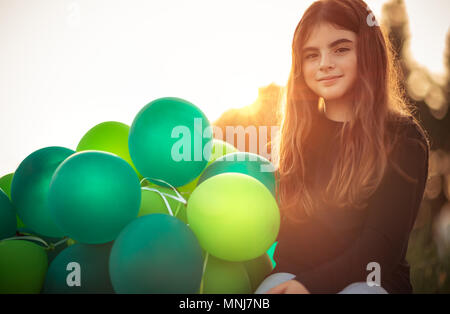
{"points": [[365, 141]]}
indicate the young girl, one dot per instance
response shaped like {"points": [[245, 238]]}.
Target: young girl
{"points": [[352, 160]]}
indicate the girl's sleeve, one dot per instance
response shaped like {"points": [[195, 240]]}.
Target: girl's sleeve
{"points": [[391, 213]]}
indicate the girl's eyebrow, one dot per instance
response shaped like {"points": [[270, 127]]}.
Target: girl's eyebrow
{"points": [[334, 43]]}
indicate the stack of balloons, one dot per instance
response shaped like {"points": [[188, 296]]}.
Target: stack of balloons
{"points": [[139, 210]]}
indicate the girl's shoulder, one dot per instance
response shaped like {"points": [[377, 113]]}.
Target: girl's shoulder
{"points": [[410, 145], [408, 129]]}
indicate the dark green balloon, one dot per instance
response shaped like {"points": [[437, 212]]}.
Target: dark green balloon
{"points": [[156, 253], [258, 269], [29, 189], [23, 265], [7, 217], [93, 195], [242, 162], [93, 270], [168, 141], [224, 277]]}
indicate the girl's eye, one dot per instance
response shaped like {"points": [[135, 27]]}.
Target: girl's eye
{"points": [[342, 49], [311, 56]]}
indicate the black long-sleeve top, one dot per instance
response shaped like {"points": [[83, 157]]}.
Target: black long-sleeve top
{"points": [[333, 247]]}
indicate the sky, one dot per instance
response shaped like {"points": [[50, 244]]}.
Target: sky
{"points": [[68, 65]]}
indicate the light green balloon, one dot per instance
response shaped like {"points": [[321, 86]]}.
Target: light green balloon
{"points": [[258, 269], [224, 277], [153, 203], [219, 149], [23, 266], [234, 216], [109, 137]]}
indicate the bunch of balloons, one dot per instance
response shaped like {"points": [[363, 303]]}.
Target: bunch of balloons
{"points": [[158, 207]]}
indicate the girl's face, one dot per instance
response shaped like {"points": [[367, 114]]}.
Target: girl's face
{"points": [[330, 52]]}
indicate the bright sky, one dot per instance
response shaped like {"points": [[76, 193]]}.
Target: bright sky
{"points": [[67, 65]]}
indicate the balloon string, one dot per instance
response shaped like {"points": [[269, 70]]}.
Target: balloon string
{"points": [[179, 198], [60, 242], [28, 238], [203, 272], [177, 210], [163, 197]]}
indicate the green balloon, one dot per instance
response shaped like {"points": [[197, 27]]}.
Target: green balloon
{"points": [[234, 216], [90, 271], [93, 195], [29, 189], [156, 253], [109, 137], [246, 163], [5, 184], [7, 217], [219, 149], [258, 269], [170, 140], [153, 203], [224, 277], [23, 265]]}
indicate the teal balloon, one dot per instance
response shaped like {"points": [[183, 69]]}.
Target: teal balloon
{"points": [[271, 252], [30, 186], [246, 163], [156, 253], [7, 217], [93, 195], [170, 140], [225, 277], [91, 270], [258, 269]]}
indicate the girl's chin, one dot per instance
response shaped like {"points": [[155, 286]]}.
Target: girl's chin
{"points": [[331, 96]]}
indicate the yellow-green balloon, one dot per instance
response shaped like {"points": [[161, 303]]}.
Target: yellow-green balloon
{"points": [[153, 203], [234, 216], [219, 149], [110, 136], [224, 277]]}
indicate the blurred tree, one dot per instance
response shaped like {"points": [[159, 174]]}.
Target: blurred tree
{"points": [[429, 100]]}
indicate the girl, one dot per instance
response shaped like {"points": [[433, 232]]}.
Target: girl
{"points": [[352, 160]]}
